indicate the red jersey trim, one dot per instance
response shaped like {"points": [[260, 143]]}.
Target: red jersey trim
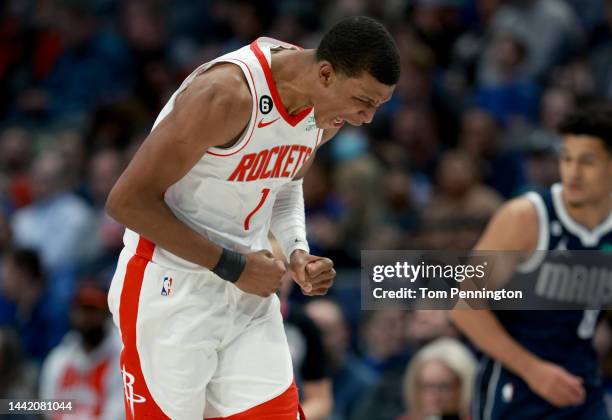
{"points": [[252, 124], [293, 120]]}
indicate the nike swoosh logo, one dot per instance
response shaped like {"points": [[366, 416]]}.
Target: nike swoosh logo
{"points": [[262, 124]]}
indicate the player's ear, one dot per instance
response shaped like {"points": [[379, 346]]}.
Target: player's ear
{"points": [[327, 74]]}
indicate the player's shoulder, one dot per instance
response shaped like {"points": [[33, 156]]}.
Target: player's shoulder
{"points": [[222, 90], [520, 210], [513, 227]]}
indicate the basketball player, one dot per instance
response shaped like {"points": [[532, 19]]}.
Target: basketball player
{"points": [[541, 364], [193, 294]]}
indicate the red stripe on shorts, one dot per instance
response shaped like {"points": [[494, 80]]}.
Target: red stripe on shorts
{"points": [[284, 407], [138, 400]]}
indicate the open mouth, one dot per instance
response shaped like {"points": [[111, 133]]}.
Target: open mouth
{"points": [[338, 122]]}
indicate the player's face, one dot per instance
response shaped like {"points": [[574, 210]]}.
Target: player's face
{"points": [[354, 100], [586, 170]]}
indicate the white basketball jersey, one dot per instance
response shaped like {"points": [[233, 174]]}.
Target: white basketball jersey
{"points": [[229, 194]]}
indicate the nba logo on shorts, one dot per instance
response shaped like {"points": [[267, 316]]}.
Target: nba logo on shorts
{"points": [[167, 286]]}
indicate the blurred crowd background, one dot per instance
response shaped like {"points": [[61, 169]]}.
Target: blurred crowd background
{"points": [[484, 83]]}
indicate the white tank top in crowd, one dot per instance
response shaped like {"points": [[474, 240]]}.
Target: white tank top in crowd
{"points": [[229, 194]]}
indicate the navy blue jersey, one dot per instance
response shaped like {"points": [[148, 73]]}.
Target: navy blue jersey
{"points": [[561, 337]]}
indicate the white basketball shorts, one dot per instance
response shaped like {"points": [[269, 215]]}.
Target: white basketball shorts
{"points": [[197, 347]]}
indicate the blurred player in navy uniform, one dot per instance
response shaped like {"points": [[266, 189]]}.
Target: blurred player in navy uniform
{"points": [[541, 364]]}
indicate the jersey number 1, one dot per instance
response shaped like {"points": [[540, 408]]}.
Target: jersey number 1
{"points": [[264, 195]]}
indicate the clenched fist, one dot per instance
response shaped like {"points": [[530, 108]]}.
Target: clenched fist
{"points": [[262, 274], [314, 274]]}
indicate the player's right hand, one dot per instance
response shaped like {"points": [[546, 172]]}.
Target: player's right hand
{"points": [[555, 384], [262, 274]]}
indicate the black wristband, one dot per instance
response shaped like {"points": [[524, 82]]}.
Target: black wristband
{"points": [[230, 266]]}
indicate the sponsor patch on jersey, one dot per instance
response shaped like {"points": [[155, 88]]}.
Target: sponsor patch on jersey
{"points": [[310, 123]]}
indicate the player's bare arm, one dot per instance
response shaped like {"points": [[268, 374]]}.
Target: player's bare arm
{"points": [[515, 227], [212, 111]]}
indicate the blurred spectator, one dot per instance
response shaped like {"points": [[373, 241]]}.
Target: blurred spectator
{"points": [[601, 58], [414, 128], [5, 233], [415, 85], [385, 340], [386, 352], [104, 169], [460, 206], [356, 182], [425, 326], [400, 216], [144, 29], [57, 224], [323, 209], [438, 381], [498, 164], [83, 367], [556, 104], [438, 23], [541, 160], [90, 69], [602, 342], [17, 376], [351, 379], [508, 92], [472, 43], [15, 156], [70, 145], [308, 356], [576, 77], [589, 12], [549, 29], [25, 305]]}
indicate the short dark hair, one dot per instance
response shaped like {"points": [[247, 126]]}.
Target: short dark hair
{"points": [[594, 121], [357, 44]]}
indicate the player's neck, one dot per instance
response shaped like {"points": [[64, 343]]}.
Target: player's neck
{"points": [[589, 215], [290, 71]]}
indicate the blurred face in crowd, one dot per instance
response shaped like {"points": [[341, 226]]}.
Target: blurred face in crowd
{"points": [[556, 105], [414, 128], [479, 134], [586, 170], [338, 99], [439, 389], [456, 174], [385, 333], [47, 176], [11, 278], [5, 232], [104, 170], [329, 319], [88, 316], [16, 283], [426, 325], [14, 150], [487, 8], [75, 25]]}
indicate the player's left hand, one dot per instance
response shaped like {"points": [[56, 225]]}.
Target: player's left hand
{"points": [[315, 275]]}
